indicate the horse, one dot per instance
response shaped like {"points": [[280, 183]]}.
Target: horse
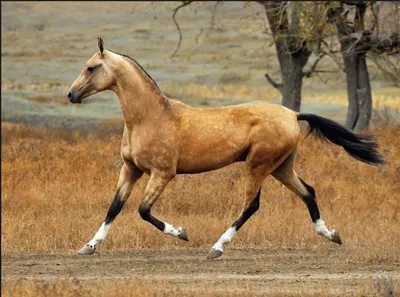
{"points": [[163, 138]]}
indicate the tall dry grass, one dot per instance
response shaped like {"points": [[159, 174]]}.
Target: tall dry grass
{"points": [[57, 187], [40, 99], [162, 288]]}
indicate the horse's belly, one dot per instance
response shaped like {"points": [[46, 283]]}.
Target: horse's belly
{"points": [[215, 158]]}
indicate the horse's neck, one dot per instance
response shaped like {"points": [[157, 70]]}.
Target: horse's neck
{"points": [[139, 100]]}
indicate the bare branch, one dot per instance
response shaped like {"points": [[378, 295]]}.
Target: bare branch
{"points": [[273, 83], [374, 23], [389, 66], [185, 3], [277, 16], [337, 16], [252, 14], [325, 71], [357, 36], [320, 77], [309, 72], [364, 42], [213, 26], [353, 2], [380, 45], [331, 54]]}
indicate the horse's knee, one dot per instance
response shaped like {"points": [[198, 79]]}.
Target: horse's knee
{"points": [[144, 211]]}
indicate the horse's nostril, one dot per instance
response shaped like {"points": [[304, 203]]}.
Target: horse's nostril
{"points": [[69, 95]]}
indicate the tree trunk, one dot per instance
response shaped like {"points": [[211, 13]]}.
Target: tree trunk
{"points": [[350, 64], [352, 42], [358, 91], [292, 53], [364, 95], [292, 77]]}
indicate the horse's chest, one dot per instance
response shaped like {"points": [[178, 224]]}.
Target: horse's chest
{"points": [[148, 155]]}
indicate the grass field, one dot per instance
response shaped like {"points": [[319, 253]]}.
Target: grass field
{"points": [[140, 288], [57, 186]]}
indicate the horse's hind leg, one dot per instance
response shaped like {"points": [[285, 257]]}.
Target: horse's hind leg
{"points": [[253, 182], [286, 175], [128, 176]]}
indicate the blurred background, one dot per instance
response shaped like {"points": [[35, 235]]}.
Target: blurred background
{"points": [[225, 51]]}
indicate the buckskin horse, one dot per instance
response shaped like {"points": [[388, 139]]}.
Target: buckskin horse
{"points": [[164, 137]]}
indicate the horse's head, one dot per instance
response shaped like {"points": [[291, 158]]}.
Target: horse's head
{"points": [[95, 77]]}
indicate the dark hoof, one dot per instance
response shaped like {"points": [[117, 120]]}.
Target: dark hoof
{"points": [[183, 235], [86, 250], [213, 254], [336, 237]]}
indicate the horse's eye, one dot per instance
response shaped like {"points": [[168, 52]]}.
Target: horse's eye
{"points": [[90, 69]]}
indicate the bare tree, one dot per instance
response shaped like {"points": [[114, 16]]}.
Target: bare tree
{"points": [[388, 22], [356, 41], [300, 29], [294, 45]]}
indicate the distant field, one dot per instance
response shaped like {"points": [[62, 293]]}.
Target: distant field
{"points": [[219, 63], [227, 58]]}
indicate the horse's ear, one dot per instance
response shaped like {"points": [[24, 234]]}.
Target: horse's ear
{"points": [[100, 43]]}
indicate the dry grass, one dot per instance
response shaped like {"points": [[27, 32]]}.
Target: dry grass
{"points": [[382, 98], [158, 288], [57, 186], [49, 99], [385, 97], [225, 91]]}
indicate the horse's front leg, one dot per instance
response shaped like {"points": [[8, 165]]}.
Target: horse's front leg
{"points": [[128, 176], [156, 185]]}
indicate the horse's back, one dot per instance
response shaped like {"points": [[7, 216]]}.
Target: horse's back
{"points": [[274, 119]]}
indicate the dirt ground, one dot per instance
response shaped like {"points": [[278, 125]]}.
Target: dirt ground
{"points": [[264, 271]]}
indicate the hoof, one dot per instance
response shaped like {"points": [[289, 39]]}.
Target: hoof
{"points": [[86, 250], [213, 254], [336, 237], [183, 234]]}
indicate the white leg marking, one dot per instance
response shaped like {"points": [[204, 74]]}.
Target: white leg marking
{"points": [[100, 235], [171, 230], [321, 229], [224, 239]]}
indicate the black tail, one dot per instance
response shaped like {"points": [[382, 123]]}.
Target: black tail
{"points": [[359, 146]]}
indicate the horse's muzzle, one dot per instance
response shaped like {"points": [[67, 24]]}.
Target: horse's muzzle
{"points": [[73, 98]]}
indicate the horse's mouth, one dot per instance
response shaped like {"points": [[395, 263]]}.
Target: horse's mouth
{"points": [[76, 100], [76, 97]]}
